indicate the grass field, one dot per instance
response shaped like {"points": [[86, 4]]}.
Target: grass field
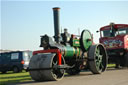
{"points": [[11, 77]]}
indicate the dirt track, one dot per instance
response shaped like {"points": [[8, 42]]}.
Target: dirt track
{"points": [[110, 77]]}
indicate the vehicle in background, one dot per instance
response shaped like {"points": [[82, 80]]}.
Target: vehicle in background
{"points": [[115, 38], [14, 61]]}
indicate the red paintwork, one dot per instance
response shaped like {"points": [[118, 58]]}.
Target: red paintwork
{"points": [[57, 51], [118, 26], [126, 42], [59, 58], [117, 42]]}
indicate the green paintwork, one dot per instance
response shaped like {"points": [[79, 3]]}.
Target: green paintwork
{"points": [[71, 51], [76, 42], [86, 39]]}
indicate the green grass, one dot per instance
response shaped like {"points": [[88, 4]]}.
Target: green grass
{"points": [[110, 65], [11, 77]]}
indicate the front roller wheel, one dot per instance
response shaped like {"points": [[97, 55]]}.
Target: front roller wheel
{"points": [[97, 58], [45, 64]]}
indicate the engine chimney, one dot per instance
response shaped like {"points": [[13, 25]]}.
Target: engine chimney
{"points": [[56, 24]]}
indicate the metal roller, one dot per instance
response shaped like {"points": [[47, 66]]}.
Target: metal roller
{"points": [[42, 66]]}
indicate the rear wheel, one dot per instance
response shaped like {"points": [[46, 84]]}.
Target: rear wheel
{"points": [[15, 69], [97, 58]]}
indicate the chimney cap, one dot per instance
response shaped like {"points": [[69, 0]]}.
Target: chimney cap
{"points": [[56, 8]]}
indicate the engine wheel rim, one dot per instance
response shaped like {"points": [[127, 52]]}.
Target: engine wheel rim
{"points": [[57, 73]]}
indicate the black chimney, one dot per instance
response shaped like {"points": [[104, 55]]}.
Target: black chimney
{"points": [[56, 24]]}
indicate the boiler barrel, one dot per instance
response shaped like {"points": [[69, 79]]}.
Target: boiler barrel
{"points": [[70, 52]]}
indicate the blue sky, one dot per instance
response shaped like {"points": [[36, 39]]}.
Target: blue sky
{"points": [[23, 22]]}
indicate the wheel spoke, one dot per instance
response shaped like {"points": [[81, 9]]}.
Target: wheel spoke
{"points": [[102, 66], [98, 65], [97, 50], [98, 59], [97, 54], [54, 63]]}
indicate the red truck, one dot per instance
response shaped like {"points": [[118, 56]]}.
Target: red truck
{"points": [[115, 38]]}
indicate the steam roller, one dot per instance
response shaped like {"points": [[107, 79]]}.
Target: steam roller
{"points": [[67, 53]]}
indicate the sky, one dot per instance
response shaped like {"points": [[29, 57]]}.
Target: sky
{"points": [[23, 22]]}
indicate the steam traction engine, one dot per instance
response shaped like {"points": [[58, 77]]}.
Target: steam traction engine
{"points": [[115, 38], [68, 53]]}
